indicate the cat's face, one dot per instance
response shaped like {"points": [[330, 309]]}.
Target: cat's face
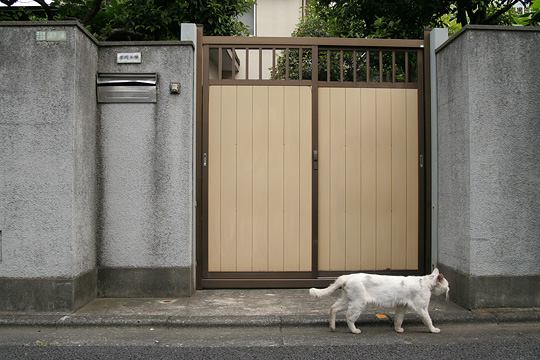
{"points": [[441, 286]]}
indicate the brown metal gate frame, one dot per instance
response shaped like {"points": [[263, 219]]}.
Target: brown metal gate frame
{"points": [[206, 279]]}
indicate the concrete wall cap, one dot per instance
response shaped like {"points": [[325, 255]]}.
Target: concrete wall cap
{"points": [[145, 43], [486, 28], [75, 23], [50, 24]]}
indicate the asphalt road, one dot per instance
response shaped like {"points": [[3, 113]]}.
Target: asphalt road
{"points": [[456, 341]]}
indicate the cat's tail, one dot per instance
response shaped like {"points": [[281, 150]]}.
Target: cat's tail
{"points": [[340, 281]]}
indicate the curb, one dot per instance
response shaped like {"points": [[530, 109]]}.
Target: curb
{"points": [[255, 321]]}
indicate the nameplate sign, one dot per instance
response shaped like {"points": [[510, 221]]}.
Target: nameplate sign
{"points": [[128, 58], [51, 36]]}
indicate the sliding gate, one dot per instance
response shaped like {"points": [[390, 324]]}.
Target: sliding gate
{"points": [[311, 160]]}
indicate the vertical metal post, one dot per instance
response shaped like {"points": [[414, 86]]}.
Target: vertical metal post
{"points": [[380, 67], [260, 63], [406, 66], [300, 60], [328, 76], [233, 63], [368, 55], [423, 216], [354, 66], [393, 66], [220, 63], [273, 63], [286, 63], [314, 168], [341, 65], [201, 134], [247, 63]]}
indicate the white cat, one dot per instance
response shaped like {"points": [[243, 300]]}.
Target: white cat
{"points": [[401, 292]]}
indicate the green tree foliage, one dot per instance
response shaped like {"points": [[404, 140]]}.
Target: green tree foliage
{"points": [[532, 17], [400, 18], [490, 13], [482, 12], [370, 18], [143, 19]]}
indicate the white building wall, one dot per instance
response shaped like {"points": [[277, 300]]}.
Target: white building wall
{"points": [[274, 18]]}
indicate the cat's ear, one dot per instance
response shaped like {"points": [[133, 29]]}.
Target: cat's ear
{"points": [[440, 277], [435, 272]]}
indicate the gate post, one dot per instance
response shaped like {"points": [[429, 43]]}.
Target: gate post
{"points": [[314, 168], [194, 33], [437, 36]]}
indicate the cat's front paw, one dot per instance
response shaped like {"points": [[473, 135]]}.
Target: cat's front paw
{"points": [[399, 330], [435, 330], [356, 331]]}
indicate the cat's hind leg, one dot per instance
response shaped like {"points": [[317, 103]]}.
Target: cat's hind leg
{"points": [[353, 313], [398, 319], [340, 304]]}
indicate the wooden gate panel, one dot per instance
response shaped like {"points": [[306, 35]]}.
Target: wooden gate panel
{"points": [[259, 179], [337, 178], [227, 201], [368, 179], [383, 189], [324, 179], [275, 178], [399, 180], [305, 186], [244, 178], [412, 179], [353, 181], [291, 178], [214, 179], [368, 183]]}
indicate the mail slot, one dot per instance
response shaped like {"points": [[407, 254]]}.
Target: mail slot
{"points": [[126, 88]]}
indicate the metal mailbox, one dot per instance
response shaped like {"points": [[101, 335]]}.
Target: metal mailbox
{"points": [[127, 88]]}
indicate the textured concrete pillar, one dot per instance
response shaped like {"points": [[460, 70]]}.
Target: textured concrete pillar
{"points": [[146, 178], [47, 166], [489, 165], [436, 38]]}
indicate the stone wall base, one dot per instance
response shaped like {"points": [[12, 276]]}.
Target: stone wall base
{"points": [[473, 292], [145, 282], [47, 294]]}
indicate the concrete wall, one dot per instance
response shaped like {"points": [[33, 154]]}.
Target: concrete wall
{"points": [[94, 198], [489, 168], [146, 237], [47, 168]]}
